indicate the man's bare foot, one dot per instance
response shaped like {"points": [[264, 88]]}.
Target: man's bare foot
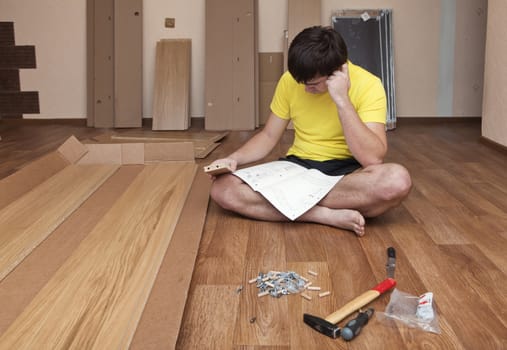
{"points": [[347, 219]]}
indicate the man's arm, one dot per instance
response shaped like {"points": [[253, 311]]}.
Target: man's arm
{"points": [[259, 145], [367, 142]]}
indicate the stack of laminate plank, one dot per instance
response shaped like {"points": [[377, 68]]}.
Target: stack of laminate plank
{"points": [[84, 232]]}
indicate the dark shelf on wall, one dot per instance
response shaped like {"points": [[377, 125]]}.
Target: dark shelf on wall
{"points": [[14, 102]]}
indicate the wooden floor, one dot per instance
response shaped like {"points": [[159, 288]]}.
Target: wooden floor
{"points": [[450, 235]]}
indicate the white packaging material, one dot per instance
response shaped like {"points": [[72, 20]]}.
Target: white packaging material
{"points": [[412, 311]]}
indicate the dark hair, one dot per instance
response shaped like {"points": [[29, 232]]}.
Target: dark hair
{"points": [[316, 51]]}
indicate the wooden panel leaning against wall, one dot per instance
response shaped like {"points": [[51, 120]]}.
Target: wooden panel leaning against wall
{"points": [[230, 88], [270, 71], [114, 63], [171, 94]]}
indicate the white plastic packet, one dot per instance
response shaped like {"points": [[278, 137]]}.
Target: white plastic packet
{"points": [[413, 311]]}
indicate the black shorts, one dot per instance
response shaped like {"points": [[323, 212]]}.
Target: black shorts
{"points": [[328, 167]]}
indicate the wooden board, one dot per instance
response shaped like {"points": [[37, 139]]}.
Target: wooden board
{"points": [[29, 220], [171, 94], [204, 142], [270, 71], [20, 286], [160, 324], [114, 63], [16, 185], [96, 298], [102, 68], [128, 65], [231, 75]]}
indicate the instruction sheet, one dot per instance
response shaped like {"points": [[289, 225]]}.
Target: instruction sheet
{"points": [[289, 187]]}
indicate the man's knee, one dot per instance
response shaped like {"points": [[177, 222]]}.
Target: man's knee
{"points": [[392, 181], [398, 182], [221, 192]]}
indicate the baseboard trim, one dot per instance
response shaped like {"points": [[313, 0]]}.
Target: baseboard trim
{"points": [[35, 121], [494, 145], [196, 123], [436, 120]]}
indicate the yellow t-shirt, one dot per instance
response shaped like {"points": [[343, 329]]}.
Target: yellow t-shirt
{"points": [[318, 131]]}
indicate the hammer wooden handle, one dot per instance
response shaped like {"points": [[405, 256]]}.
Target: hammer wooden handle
{"points": [[361, 301]]}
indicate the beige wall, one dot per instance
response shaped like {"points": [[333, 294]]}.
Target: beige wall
{"points": [[494, 120], [57, 28]]}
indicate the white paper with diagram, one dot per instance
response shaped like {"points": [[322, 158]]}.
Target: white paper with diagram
{"points": [[289, 187]]}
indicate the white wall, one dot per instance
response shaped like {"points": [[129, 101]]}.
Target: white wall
{"points": [[272, 24], [494, 120], [57, 28]]}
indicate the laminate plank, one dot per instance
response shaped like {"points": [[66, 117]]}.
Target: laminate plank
{"points": [[160, 324], [301, 335], [265, 252], [96, 298], [487, 233], [396, 215], [481, 272], [455, 290], [436, 194], [485, 174], [350, 272], [301, 244], [260, 347], [30, 176], [20, 286], [203, 307], [376, 243], [408, 281], [464, 193], [411, 150], [435, 220], [223, 261], [29, 220]]}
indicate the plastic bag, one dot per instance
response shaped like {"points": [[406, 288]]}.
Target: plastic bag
{"points": [[413, 311]]}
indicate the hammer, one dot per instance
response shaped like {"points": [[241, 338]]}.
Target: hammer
{"points": [[327, 326]]}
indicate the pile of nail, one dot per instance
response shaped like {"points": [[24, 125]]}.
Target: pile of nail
{"points": [[276, 283]]}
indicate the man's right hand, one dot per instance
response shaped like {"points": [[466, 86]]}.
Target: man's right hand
{"points": [[338, 85]]}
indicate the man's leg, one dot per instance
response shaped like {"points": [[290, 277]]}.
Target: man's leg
{"points": [[233, 194], [372, 190], [367, 192]]}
